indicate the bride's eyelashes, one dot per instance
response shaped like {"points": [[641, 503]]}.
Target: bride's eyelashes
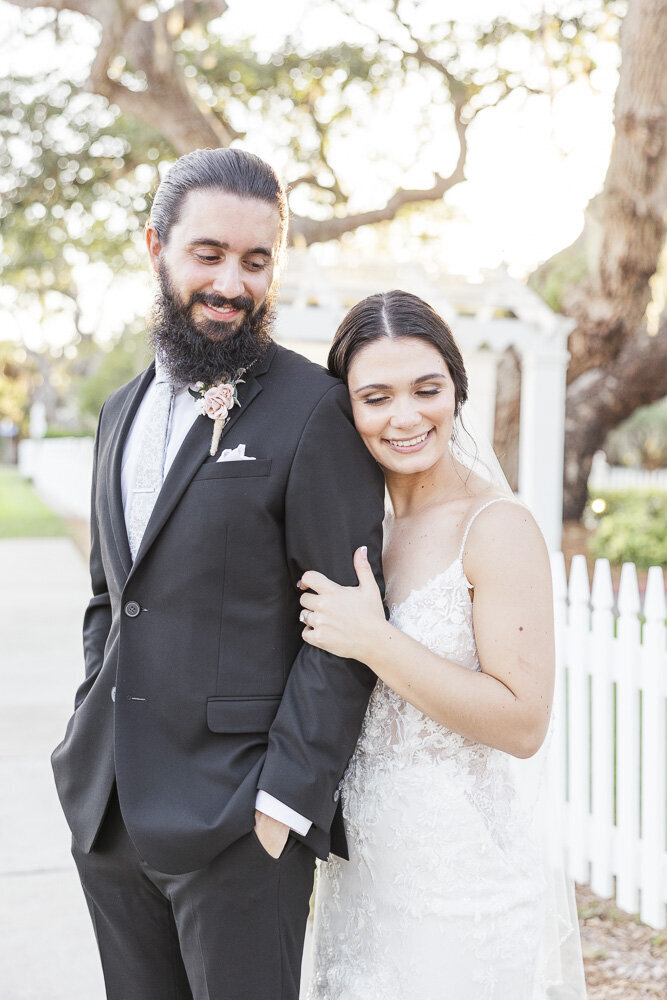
{"points": [[374, 400]]}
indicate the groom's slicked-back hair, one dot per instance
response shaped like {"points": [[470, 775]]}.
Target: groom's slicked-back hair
{"points": [[233, 171]]}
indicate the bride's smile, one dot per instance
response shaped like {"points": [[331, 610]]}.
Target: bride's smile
{"points": [[411, 444]]}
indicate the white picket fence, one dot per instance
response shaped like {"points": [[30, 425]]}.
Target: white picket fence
{"points": [[617, 477], [611, 702], [61, 470]]}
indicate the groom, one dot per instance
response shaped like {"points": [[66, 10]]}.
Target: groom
{"points": [[199, 771]]}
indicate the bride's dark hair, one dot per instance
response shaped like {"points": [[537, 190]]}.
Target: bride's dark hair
{"points": [[396, 315]]}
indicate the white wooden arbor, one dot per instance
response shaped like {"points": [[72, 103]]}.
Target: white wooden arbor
{"points": [[486, 318]]}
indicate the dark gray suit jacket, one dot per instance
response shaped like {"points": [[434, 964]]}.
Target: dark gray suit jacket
{"points": [[216, 694]]}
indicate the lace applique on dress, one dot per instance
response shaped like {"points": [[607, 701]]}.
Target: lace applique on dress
{"points": [[442, 896]]}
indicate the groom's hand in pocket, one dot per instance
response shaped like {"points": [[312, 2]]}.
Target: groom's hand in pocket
{"points": [[271, 834]]}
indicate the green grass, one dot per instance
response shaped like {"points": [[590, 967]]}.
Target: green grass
{"points": [[22, 513]]}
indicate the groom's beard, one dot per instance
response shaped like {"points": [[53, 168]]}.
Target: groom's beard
{"points": [[202, 351]]}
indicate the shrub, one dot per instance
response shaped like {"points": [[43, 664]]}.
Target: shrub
{"points": [[641, 440], [66, 432], [632, 527]]}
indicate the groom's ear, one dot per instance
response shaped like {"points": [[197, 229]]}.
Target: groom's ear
{"points": [[154, 246]]}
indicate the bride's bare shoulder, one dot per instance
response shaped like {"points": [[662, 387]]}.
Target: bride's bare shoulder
{"points": [[503, 538], [476, 494]]}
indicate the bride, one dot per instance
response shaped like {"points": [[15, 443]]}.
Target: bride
{"points": [[445, 896]]}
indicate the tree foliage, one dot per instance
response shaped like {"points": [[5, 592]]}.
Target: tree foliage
{"points": [[18, 380], [109, 369], [641, 441], [76, 182], [81, 155], [632, 528], [83, 150]]}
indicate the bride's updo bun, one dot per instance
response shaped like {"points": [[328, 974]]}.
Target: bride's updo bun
{"points": [[395, 315]]}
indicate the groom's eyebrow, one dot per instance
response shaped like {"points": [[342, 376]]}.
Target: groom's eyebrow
{"points": [[417, 381], [208, 242]]}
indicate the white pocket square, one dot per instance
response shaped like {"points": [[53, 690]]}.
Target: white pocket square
{"points": [[235, 455]]}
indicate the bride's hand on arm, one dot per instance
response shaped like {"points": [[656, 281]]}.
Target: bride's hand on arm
{"points": [[345, 621]]}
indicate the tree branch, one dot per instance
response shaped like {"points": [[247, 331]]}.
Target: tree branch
{"points": [[167, 102], [88, 7], [628, 218], [334, 188], [602, 398], [199, 12], [637, 377], [423, 56], [312, 181], [319, 231]]}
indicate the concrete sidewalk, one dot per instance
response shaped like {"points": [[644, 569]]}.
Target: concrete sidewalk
{"points": [[47, 948]]}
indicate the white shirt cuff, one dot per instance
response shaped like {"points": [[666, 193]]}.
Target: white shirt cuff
{"points": [[276, 809]]}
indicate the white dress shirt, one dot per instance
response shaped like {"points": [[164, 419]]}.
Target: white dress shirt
{"points": [[183, 416]]}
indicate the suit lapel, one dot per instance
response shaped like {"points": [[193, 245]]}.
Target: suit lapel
{"points": [[115, 464], [193, 453]]}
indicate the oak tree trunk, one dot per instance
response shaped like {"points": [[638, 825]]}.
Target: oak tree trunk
{"points": [[616, 365], [618, 357], [602, 398]]}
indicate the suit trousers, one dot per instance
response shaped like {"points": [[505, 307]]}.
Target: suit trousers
{"points": [[233, 930]]}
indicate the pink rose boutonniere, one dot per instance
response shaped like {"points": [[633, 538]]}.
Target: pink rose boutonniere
{"points": [[215, 401]]}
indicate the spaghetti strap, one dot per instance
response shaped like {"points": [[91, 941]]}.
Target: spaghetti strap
{"points": [[479, 511]]}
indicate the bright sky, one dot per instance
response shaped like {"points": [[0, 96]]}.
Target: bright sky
{"points": [[533, 163]]}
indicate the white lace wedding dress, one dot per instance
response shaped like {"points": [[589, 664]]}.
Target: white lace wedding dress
{"points": [[443, 896]]}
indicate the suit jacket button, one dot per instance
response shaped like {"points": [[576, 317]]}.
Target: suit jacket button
{"points": [[336, 795], [132, 609]]}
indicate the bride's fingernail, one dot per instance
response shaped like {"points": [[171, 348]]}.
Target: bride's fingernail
{"points": [[298, 585]]}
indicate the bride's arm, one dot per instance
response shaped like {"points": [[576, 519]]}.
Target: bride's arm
{"points": [[506, 705]]}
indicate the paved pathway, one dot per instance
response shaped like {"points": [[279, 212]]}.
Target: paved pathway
{"points": [[47, 949]]}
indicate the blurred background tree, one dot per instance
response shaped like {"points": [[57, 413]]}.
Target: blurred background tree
{"points": [[84, 150], [641, 441], [114, 366], [631, 527], [18, 380]]}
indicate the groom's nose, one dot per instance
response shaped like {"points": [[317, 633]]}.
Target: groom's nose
{"points": [[228, 280]]}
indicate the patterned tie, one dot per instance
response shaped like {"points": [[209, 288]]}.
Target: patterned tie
{"points": [[150, 466]]}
